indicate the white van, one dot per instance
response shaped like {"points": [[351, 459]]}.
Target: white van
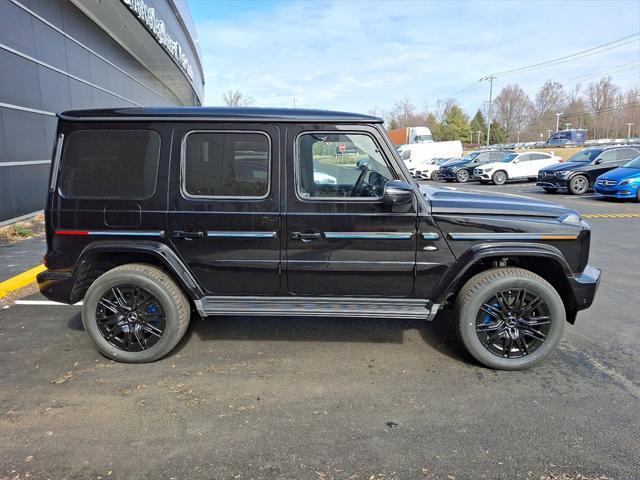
{"points": [[416, 154]]}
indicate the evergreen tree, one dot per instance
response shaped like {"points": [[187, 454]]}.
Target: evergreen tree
{"points": [[479, 124], [498, 134], [455, 125]]}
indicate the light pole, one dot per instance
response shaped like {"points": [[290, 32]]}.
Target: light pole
{"points": [[479, 132], [629, 125], [558, 115], [566, 126], [549, 133]]}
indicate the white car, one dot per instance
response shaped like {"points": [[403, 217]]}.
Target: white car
{"points": [[322, 178], [515, 166]]}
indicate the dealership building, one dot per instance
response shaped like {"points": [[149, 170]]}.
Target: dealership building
{"points": [[58, 55]]}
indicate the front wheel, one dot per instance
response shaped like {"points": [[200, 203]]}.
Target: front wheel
{"points": [[135, 313], [509, 318], [462, 176], [435, 175], [499, 178], [578, 185]]}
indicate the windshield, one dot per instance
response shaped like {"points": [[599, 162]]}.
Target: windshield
{"points": [[471, 156], [635, 163], [509, 157], [585, 155], [423, 138]]}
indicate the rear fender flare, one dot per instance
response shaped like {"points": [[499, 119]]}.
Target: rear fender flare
{"points": [[160, 251]]}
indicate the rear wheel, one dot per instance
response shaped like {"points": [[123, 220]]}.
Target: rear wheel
{"points": [[509, 318], [462, 176], [578, 185], [434, 175], [550, 190], [499, 177], [638, 196], [135, 313]]}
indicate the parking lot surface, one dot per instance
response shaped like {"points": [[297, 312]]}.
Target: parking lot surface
{"points": [[302, 398]]}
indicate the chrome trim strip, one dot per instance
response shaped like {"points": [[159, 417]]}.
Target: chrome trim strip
{"points": [[368, 235], [62, 72], [80, 44], [115, 233], [238, 234], [56, 162], [430, 236], [27, 109], [28, 162], [511, 236]]}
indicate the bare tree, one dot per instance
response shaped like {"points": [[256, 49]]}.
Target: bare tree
{"points": [[513, 109], [235, 98], [601, 97], [405, 114], [549, 101]]}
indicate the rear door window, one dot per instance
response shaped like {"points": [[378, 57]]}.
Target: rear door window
{"points": [[226, 164], [110, 164]]}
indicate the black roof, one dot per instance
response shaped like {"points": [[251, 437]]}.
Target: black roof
{"points": [[227, 114]]}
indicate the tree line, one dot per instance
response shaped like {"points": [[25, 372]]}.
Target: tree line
{"points": [[602, 108]]}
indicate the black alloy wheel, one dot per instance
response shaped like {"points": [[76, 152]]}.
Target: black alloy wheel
{"points": [[513, 323], [130, 318], [462, 176]]}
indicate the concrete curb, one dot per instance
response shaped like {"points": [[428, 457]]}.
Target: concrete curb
{"points": [[21, 280]]}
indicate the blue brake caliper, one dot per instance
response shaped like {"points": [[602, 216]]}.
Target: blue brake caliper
{"points": [[488, 319]]}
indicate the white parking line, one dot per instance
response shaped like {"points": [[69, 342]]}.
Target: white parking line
{"points": [[582, 196], [43, 302]]}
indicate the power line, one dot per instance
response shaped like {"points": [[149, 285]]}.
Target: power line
{"points": [[581, 54]]}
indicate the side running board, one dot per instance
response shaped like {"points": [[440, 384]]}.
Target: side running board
{"points": [[317, 307]]}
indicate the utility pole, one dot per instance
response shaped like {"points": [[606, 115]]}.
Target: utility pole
{"points": [[294, 102], [479, 132], [558, 120], [491, 78], [629, 125]]}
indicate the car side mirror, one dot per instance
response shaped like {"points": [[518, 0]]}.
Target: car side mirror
{"points": [[598, 162], [517, 160], [363, 164], [398, 196]]}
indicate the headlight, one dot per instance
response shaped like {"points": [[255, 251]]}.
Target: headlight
{"points": [[563, 173], [486, 170], [629, 181], [572, 218]]}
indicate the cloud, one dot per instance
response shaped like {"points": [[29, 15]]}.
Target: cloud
{"points": [[360, 55]]}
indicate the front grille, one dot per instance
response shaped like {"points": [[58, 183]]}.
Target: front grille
{"points": [[607, 183]]}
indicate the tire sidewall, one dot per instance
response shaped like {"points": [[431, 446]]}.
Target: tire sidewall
{"points": [[467, 319], [112, 279], [495, 177], [434, 176]]}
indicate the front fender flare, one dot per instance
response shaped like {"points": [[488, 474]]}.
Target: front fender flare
{"points": [[451, 280]]}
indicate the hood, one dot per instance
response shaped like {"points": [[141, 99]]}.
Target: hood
{"points": [[447, 200], [566, 166], [620, 174]]}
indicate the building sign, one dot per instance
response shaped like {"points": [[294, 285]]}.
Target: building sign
{"points": [[157, 27]]}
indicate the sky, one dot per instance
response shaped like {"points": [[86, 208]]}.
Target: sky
{"points": [[364, 56]]}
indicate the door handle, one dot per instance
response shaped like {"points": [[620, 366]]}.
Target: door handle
{"points": [[187, 235], [305, 237]]}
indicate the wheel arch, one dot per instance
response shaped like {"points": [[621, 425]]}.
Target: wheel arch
{"points": [[543, 260], [101, 256]]}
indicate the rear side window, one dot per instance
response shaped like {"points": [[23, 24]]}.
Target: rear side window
{"points": [[110, 164], [226, 164]]}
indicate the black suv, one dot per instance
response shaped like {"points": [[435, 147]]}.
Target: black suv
{"points": [[579, 173], [155, 213], [462, 170]]}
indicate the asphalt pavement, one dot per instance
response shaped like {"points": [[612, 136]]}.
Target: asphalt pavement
{"points": [[304, 398]]}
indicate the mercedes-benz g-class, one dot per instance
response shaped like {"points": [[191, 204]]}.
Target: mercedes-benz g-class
{"points": [[157, 213]]}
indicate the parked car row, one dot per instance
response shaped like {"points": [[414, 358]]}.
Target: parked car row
{"points": [[612, 171], [600, 141]]}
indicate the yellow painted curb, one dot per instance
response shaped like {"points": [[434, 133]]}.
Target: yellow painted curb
{"points": [[21, 280]]}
